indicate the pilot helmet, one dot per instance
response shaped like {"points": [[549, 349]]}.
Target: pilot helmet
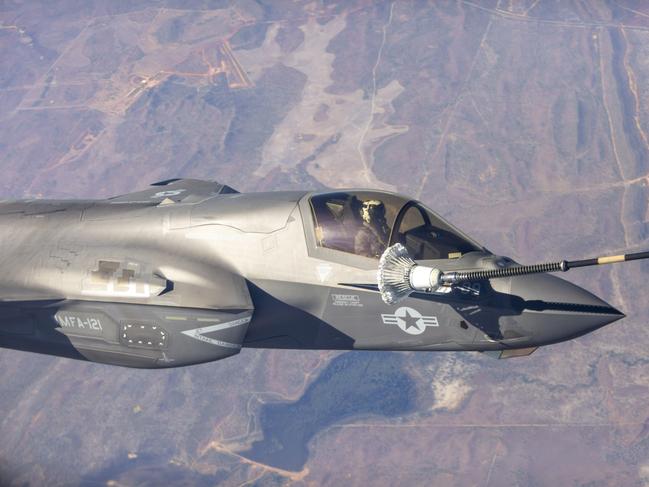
{"points": [[372, 210]]}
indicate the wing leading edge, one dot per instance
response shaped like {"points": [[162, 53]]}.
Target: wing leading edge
{"points": [[175, 191]]}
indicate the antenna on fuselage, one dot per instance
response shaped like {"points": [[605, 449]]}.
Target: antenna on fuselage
{"points": [[399, 275]]}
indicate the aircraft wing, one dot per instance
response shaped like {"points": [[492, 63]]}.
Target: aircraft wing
{"points": [[125, 306], [175, 191], [124, 334]]}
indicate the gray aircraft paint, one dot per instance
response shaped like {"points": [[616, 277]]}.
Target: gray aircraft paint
{"points": [[190, 271]]}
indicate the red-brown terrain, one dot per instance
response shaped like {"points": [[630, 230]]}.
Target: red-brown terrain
{"points": [[524, 122]]}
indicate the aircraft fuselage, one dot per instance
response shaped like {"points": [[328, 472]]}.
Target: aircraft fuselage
{"points": [[152, 281]]}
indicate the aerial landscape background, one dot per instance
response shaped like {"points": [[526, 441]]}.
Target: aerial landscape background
{"points": [[523, 122]]}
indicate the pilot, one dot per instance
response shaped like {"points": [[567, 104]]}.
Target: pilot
{"points": [[372, 236]]}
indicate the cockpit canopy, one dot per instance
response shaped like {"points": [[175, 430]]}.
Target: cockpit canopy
{"points": [[367, 222]]}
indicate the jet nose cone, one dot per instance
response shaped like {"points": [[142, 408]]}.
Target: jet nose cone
{"points": [[555, 310]]}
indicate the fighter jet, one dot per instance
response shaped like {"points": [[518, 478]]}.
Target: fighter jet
{"points": [[190, 271]]}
